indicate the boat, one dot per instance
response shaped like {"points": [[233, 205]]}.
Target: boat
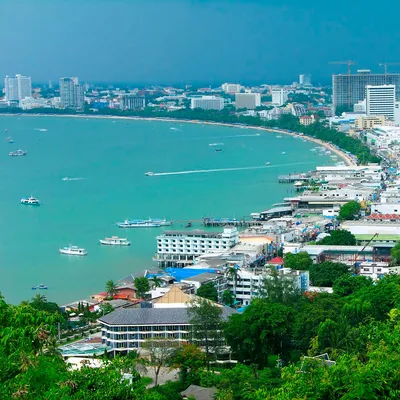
{"points": [[162, 222], [218, 149], [30, 201], [215, 144], [189, 225], [279, 137], [267, 163], [283, 152], [115, 241], [73, 251], [138, 223], [149, 173], [17, 153], [40, 287]]}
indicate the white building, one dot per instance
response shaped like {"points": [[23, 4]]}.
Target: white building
{"points": [[247, 100], [72, 93], [279, 96], [360, 107], [380, 100], [305, 79], [180, 247], [207, 103], [231, 88], [17, 87], [132, 102]]}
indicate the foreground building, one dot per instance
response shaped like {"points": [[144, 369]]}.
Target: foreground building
{"points": [[17, 87]]}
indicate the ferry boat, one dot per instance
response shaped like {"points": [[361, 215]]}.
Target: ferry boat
{"points": [[162, 222], [73, 251], [115, 241], [40, 287], [30, 201], [149, 173], [139, 223], [17, 153]]}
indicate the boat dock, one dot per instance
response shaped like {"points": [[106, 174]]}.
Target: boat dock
{"points": [[209, 221], [291, 178]]}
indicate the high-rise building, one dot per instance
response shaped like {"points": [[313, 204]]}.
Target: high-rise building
{"points": [[305, 79], [132, 102], [247, 100], [348, 90], [279, 96], [72, 94], [207, 103], [380, 100], [17, 87], [231, 88]]}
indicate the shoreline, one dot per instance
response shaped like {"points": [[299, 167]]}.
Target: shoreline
{"points": [[345, 157]]}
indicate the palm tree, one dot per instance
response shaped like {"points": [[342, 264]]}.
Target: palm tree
{"points": [[111, 288], [156, 281], [233, 274], [39, 298]]}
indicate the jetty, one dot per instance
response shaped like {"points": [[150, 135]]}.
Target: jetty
{"points": [[291, 178], [210, 221]]}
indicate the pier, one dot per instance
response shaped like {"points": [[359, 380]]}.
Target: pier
{"points": [[229, 222], [291, 178]]}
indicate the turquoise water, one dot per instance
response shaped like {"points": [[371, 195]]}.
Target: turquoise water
{"points": [[112, 157]]}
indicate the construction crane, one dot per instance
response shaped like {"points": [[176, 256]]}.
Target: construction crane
{"points": [[385, 65], [349, 63], [357, 264]]}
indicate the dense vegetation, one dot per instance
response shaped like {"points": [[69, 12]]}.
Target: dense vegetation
{"points": [[287, 121]]}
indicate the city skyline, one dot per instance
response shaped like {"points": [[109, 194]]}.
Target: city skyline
{"points": [[175, 42]]}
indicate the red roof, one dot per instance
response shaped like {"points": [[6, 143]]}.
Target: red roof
{"points": [[276, 260], [384, 216]]}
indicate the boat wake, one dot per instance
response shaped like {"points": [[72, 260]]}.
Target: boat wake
{"points": [[72, 179], [175, 129], [224, 137], [205, 171], [41, 129]]}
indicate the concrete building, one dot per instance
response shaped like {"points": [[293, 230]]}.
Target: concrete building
{"points": [[218, 280], [369, 122], [17, 87], [350, 89], [231, 88], [180, 247], [126, 329], [305, 80], [380, 100], [132, 102], [207, 103], [247, 100], [360, 107], [279, 96], [72, 93], [306, 120]]}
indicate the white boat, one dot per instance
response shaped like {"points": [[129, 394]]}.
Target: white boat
{"points": [[115, 241], [215, 144], [17, 153], [30, 201], [161, 222], [267, 163], [149, 173], [283, 152], [73, 251], [139, 223]]}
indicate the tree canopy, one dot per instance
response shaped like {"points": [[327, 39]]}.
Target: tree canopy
{"points": [[301, 261], [208, 291], [340, 237], [349, 210], [326, 273]]}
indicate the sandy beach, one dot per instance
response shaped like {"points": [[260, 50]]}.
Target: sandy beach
{"points": [[345, 157]]}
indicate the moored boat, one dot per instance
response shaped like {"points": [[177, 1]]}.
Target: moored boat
{"points": [[30, 201], [149, 173], [73, 251], [139, 223], [17, 153], [40, 287], [115, 241]]}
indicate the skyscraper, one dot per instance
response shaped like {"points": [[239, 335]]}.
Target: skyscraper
{"points": [[247, 100], [72, 93], [305, 79], [279, 96], [350, 89], [380, 100], [17, 87]]}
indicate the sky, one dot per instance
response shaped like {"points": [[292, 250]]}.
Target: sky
{"points": [[189, 41]]}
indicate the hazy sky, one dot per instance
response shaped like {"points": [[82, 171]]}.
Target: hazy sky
{"points": [[176, 41]]}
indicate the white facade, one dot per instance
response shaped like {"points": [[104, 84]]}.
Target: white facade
{"points": [[380, 100], [207, 103], [386, 208], [231, 87], [360, 107], [17, 87], [247, 100], [132, 102], [372, 227], [279, 96], [305, 79], [72, 93]]}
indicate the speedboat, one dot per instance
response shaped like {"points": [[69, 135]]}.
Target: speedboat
{"points": [[40, 287], [267, 163], [115, 241], [283, 152], [139, 223], [17, 153], [30, 201], [218, 149], [149, 173], [73, 251]]}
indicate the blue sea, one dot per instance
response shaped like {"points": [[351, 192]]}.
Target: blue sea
{"points": [[107, 161]]}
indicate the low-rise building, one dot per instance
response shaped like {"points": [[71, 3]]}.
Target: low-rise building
{"points": [[207, 103], [369, 122], [218, 280], [247, 100]]}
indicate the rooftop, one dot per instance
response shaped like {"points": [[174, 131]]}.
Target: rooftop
{"points": [[202, 278]]}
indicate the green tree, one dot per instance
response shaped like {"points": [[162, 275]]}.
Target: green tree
{"points": [[191, 361], [232, 273], [228, 299], [326, 273], [208, 291], [156, 282], [301, 261], [111, 288], [339, 237], [206, 322], [261, 330], [348, 284], [349, 210], [142, 286], [105, 308], [395, 254]]}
